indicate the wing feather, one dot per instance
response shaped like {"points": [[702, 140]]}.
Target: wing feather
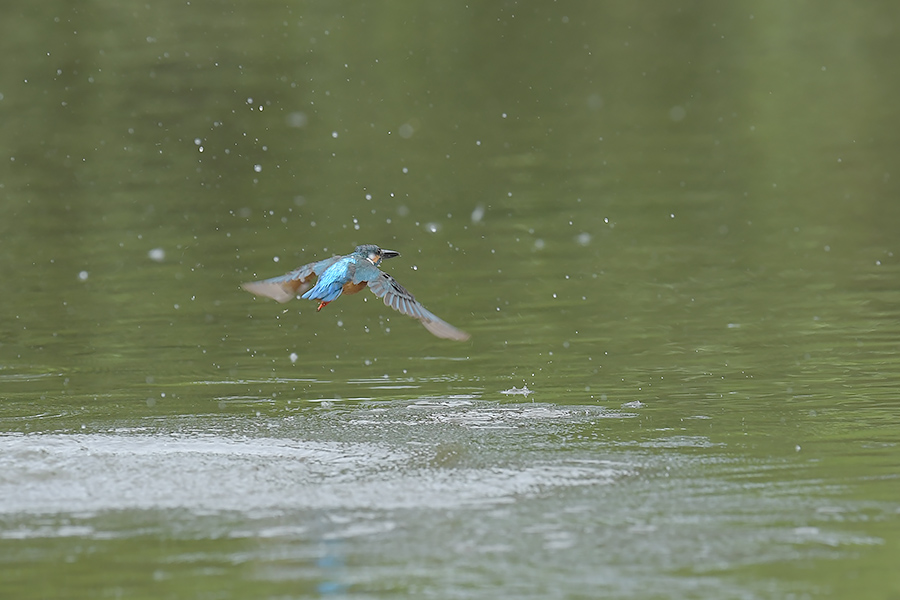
{"points": [[397, 297], [286, 287]]}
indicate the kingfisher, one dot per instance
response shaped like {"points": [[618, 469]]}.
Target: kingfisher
{"points": [[327, 279]]}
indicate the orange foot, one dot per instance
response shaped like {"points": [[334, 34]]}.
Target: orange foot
{"points": [[321, 306]]}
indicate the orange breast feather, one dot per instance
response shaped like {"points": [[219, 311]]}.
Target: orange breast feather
{"points": [[352, 288]]}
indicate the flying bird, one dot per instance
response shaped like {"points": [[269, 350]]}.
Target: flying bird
{"points": [[327, 279]]}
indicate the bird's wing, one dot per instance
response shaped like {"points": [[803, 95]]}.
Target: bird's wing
{"points": [[398, 298], [286, 287]]}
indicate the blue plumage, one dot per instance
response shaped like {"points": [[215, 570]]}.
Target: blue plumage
{"points": [[331, 281], [349, 274]]}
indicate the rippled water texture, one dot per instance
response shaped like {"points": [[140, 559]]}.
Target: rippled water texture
{"points": [[310, 495], [671, 231]]}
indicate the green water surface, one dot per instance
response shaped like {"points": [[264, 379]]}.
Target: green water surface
{"points": [[674, 225]]}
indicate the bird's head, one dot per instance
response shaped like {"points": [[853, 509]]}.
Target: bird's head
{"points": [[374, 254]]}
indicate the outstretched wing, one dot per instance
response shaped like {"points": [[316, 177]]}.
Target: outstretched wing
{"points": [[396, 296], [286, 287]]}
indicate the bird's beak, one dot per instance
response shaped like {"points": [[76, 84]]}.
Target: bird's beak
{"points": [[389, 254]]}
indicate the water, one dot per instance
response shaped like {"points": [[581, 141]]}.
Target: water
{"points": [[675, 227]]}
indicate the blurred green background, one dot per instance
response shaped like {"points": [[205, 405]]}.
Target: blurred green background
{"points": [[685, 214]]}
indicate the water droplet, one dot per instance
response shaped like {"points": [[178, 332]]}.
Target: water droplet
{"points": [[297, 119]]}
